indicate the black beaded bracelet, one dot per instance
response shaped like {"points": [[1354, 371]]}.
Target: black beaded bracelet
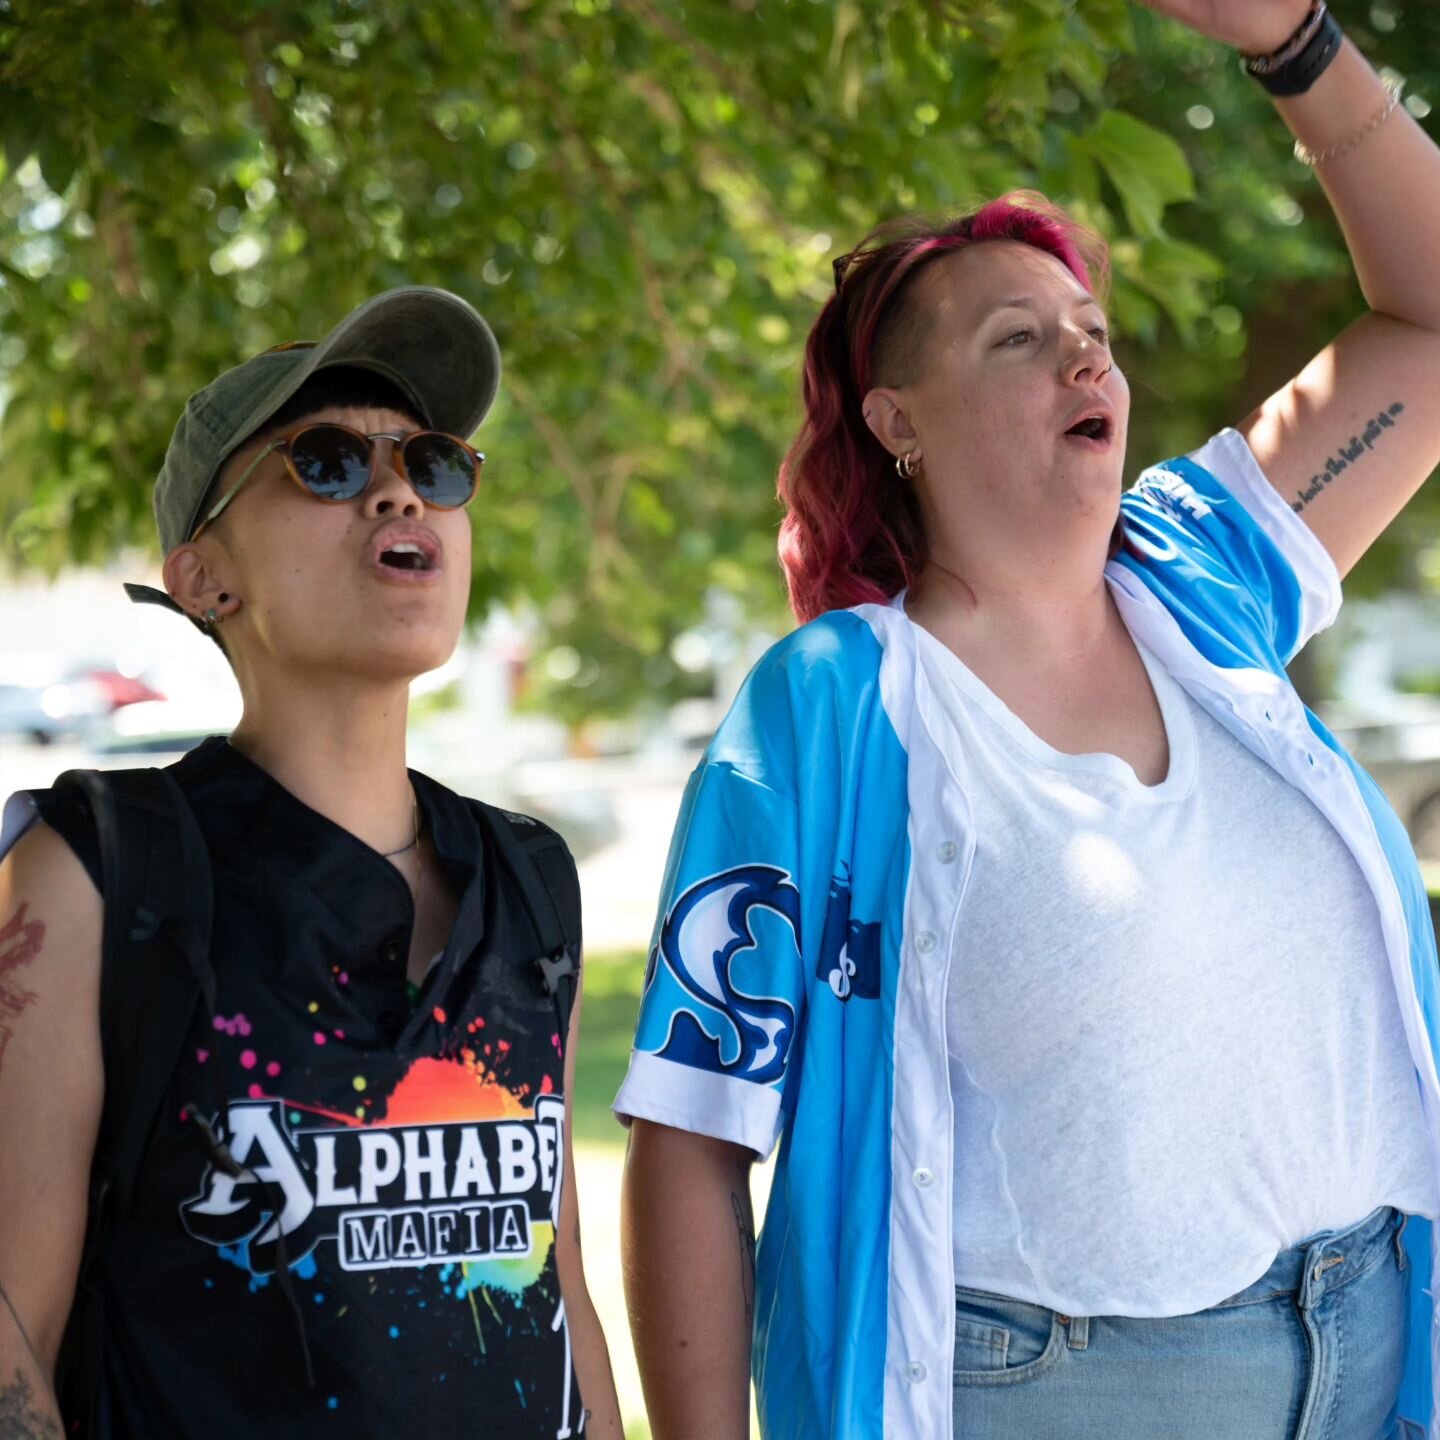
{"points": [[1295, 75]]}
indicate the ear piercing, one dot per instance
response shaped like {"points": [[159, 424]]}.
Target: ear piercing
{"points": [[211, 618]]}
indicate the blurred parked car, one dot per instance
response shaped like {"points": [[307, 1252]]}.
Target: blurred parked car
{"points": [[23, 713], [47, 713], [66, 704], [120, 690]]}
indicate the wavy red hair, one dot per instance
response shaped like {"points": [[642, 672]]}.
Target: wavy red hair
{"points": [[852, 531]]}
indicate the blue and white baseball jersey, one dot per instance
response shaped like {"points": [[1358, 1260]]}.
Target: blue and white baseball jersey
{"points": [[796, 985]]}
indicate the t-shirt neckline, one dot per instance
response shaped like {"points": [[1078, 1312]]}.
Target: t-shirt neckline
{"points": [[1100, 764]]}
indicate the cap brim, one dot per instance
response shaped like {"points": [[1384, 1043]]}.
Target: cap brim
{"points": [[149, 595]]}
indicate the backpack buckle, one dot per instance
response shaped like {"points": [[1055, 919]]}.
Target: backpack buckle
{"points": [[552, 969]]}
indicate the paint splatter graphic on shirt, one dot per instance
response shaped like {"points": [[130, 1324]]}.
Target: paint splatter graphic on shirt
{"points": [[451, 1172]]}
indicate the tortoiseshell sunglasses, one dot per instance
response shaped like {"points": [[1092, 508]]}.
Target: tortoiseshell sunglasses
{"points": [[334, 463]]}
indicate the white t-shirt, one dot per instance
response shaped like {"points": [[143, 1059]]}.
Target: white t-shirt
{"points": [[1175, 1047]]}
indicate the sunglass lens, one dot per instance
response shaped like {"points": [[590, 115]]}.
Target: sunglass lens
{"points": [[442, 470], [331, 462]]}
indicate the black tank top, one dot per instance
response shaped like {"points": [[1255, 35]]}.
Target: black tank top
{"points": [[414, 1152]]}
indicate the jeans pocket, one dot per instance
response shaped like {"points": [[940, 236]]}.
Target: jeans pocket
{"points": [[999, 1341]]}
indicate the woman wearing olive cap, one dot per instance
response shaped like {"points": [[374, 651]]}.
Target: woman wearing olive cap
{"points": [[353, 1211]]}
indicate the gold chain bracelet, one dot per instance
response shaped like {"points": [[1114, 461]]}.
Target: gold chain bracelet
{"points": [[1306, 156]]}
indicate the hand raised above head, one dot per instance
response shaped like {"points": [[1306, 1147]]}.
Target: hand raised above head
{"points": [[1254, 27]]}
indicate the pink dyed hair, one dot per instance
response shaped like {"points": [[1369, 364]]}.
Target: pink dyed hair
{"points": [[852, 531]]}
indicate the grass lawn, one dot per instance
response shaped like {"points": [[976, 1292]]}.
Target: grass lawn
{"points": [[607, 1023], [612, 998]]}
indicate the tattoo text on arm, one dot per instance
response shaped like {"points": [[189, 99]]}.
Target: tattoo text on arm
{"points": [[1347, 455], [20, 1417], [745, 1228], [21, 940]]}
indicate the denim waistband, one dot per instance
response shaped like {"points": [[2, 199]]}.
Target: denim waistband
{"points": [[1325, 1261]]}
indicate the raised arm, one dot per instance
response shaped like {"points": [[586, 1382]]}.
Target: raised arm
{"points": [[1355, 434], [51, 1088]]}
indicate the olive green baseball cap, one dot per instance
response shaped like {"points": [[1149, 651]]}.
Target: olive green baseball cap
{"points": [[429, 342]]}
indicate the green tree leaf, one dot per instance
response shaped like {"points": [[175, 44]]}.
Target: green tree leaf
{"points": [[1146, 167]]}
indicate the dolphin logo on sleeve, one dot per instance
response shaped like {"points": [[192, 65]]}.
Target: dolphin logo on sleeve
{"points": [[729, 1027]]}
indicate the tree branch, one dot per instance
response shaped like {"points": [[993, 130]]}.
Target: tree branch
{"points": [[564, 458]]}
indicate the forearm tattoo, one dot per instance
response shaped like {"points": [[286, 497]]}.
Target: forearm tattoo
{"points": [[20, 1417], [21, 940], [745, 1229], [1347, 455]]}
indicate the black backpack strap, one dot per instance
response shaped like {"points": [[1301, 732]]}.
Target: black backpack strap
{"points": [[156, 969], [154, 974], [543, 868]]}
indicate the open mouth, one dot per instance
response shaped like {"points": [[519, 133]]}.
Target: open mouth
{"points": [[406, 556], [1093, 427]]}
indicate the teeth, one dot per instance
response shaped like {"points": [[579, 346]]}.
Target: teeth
{"points": [[406, 555]]}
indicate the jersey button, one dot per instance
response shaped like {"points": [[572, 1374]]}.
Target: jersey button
{"points": [[924, 1177], [390, 952], [925, 941], [946, 852], [915, 1372]]}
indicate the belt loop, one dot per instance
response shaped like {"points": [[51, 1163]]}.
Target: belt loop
{"points": [[1308, 1295], [1079, 1332], [1401, 1258]]}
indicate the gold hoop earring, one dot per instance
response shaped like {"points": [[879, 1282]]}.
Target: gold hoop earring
{"points": [[907, 467]]}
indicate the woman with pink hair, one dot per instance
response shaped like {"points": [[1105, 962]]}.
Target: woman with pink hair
{"points": [[1086, 984]]}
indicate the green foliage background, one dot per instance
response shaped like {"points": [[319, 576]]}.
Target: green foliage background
{"points": [[643, 197]]}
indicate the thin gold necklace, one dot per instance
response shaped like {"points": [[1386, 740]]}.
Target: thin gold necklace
{"points": [[415, 838], [930, 561]]}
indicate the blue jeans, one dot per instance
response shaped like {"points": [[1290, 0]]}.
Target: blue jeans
{"points": [[1313, 1350]]}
